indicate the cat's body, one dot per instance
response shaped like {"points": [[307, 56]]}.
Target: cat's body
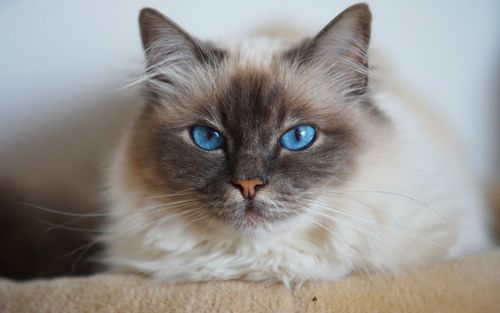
{"points": [[376, 190]]}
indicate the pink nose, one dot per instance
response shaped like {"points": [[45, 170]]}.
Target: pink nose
{"points": [[248, 187]]}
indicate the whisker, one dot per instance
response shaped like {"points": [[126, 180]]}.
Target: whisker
{"points": [[427, 206], [372, 233], [77, 229], [391, 229], [61, 212], [362, 229], [342, 212], [312, 220], [184, 192], [399, 225], [149, 223]]}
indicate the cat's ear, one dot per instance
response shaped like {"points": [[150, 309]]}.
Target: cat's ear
{"points": [[167, 45], [341, 48]]}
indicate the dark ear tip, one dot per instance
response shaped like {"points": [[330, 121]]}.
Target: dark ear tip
{"points": [[360, 9], [148, 19], [148, 14]]}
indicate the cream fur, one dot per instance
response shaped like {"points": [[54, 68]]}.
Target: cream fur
{"points": [[410, 203]]}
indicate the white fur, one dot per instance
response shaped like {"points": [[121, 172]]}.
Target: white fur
{"points": [[410, 203]]}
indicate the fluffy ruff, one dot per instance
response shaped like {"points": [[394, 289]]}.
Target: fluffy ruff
{"points": [[407, 205], [380, 190]]}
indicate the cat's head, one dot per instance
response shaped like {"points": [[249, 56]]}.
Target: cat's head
{"points": [[251, 132]]}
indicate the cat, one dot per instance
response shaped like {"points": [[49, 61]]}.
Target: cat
{"points": [[270, 160]]}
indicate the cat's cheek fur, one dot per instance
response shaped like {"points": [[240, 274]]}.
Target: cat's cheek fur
{"points": [[371, 230], [377, 192], [186, 251]]}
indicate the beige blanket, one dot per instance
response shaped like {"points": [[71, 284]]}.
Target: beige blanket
{"points": [[467, 285]]}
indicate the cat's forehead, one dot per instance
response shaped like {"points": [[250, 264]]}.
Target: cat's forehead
{"points": [[262, 98], [252, 98], [254, 88], [255, 51]]}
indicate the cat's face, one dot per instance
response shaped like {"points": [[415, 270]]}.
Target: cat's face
{"points": [[251, 138]]}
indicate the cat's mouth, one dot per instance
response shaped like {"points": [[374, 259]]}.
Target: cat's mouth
{"points": [[253, 217], [252, 214], [249, 215]]}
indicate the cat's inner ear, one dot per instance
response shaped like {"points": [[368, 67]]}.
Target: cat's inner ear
{"points": [[341, 48], [168, 46]]}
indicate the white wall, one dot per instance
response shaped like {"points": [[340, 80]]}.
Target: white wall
{"points": [[55, 50]]}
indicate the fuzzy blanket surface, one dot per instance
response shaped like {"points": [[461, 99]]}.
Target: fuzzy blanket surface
{"points": [[468, 285]]}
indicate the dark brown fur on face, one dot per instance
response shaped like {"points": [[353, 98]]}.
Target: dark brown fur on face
{"points": [[252, 106], [254, 112]]}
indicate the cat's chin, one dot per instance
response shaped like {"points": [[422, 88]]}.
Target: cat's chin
{"points": [[252, 218]]}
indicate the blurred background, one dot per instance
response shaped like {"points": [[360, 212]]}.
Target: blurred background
{"points": [[59, 62]]}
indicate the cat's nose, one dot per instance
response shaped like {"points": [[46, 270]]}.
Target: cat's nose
{"points": [[248, 187]]}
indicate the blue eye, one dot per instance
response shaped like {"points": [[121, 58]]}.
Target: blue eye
{"points": [[298, 138], [207, 138]]}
